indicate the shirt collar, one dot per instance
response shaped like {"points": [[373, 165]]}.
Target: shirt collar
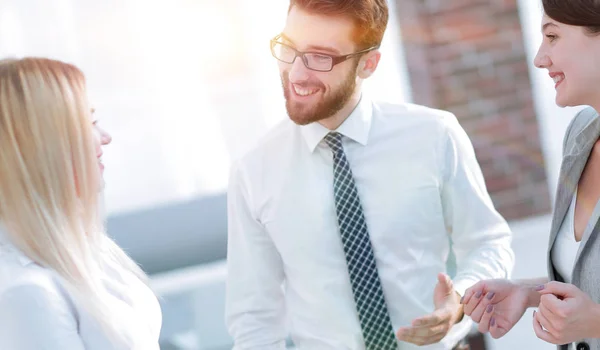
{"points": [[7, 245], [356, 127]]}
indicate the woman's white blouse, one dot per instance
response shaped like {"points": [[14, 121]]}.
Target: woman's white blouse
{"points": [[566, 247], [37, 312]]}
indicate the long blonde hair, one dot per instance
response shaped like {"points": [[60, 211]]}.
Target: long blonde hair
{"points": [[50, 179]]}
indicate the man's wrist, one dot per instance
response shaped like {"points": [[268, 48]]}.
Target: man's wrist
{"points": [[460, 313]]}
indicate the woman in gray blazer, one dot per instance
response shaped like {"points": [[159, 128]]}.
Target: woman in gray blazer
{"points": [[568, 300]]}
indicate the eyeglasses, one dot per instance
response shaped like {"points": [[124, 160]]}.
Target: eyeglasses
{"points": [[312, 60]]}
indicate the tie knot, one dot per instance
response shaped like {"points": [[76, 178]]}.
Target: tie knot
{"points": [[334, 141]]}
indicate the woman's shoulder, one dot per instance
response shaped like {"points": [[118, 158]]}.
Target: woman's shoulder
{"points": [[35, 311], [33, 298], [23, 279], [582, 119]]}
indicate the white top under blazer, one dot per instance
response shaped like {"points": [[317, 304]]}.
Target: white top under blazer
{"points": [[566, 247]]}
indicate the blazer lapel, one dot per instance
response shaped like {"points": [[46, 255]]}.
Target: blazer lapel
{"points": [[570, 173], [589, 230], [568, 179], [588, 138]]}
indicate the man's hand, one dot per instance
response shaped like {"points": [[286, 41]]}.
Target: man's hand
{"points": [[432, 328]]}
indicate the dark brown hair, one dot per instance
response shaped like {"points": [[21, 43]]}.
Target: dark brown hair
{"points": [[582, 13], [369, 16]]}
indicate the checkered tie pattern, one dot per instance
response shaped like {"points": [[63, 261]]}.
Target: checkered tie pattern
{"points": [[375, 322]]}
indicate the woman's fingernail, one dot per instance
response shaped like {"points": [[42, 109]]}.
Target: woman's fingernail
{"points": [[491, 295], [478, 295], [540, 287], [493, 322], [489, 308]]}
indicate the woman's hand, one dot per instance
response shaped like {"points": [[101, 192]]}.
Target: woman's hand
{"points": [[565, 314], [496, 305]]}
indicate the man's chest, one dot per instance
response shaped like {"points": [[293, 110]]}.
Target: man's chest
{"points": [[401, 202]]}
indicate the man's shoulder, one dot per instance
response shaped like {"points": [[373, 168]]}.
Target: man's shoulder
{"points": [[273, 140], [416, 113]]}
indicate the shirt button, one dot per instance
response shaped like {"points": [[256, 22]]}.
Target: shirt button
{"points": [[583, 346]]}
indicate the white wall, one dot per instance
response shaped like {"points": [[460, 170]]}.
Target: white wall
{"points": [[183, 86], [553, 120]]}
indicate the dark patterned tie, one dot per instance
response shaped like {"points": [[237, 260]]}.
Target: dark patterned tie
{"points": [[372, 311]]}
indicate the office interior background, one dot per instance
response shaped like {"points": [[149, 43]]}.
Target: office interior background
{"points": [[185, 86]]}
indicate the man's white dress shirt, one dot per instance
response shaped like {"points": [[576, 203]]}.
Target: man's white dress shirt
{"points": [[422, 193], [38, 313]]}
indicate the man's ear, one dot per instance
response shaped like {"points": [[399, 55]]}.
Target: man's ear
{"points": [[368, 64]]}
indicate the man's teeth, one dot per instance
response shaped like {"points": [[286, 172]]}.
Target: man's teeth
{"points": [[304, 92], [558, 78]]}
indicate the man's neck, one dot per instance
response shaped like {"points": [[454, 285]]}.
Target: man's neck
{"points": [[340, 117]]}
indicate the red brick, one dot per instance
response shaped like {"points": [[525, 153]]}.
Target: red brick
{"points": [[468, 56]]}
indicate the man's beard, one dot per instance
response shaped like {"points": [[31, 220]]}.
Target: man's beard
{"points": [[302, 114]]}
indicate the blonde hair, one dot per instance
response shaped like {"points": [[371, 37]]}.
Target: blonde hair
{"points": [[50, 179]]}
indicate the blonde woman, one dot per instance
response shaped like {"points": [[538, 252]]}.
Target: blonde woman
{"points": [[64, 285]]}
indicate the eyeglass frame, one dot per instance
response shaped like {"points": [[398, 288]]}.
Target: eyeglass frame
{"points": [[335, 59]]}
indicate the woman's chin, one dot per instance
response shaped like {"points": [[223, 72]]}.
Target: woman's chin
{"points": [[561, 102]]}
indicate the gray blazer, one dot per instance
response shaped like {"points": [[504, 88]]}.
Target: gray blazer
{"points": [[580, 137]]}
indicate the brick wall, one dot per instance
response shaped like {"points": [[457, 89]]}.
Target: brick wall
{"points": [[468, 57]]}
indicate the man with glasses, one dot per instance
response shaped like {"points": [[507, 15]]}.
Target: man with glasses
{"points": [[343, 218]]}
